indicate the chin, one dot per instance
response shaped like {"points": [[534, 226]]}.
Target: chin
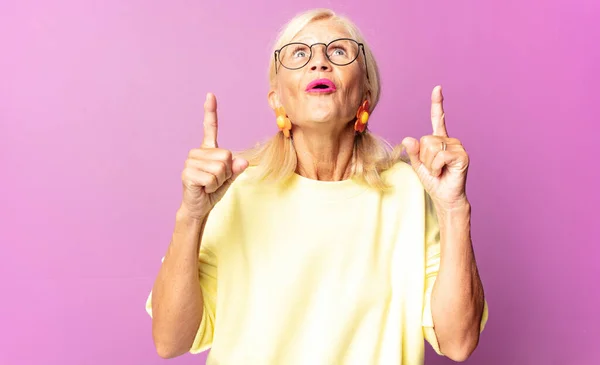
{"points": [[320, 118], [324, 113]]}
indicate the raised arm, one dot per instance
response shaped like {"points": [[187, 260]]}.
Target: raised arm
{"points": [[177, 303]]}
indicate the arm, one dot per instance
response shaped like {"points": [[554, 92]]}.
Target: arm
{"points": [[457, 299], [178, 305], [457, 303], [176, 295]]}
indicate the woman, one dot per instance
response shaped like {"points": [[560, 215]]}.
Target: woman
{"points": [[321, 246]]}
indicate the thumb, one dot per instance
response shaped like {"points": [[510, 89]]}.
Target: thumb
{"points": [[412, 149], [238, 166]]}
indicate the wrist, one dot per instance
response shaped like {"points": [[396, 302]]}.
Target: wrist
{"points": [[456, 218], [188, 230], [184, 216], [456, 208]]}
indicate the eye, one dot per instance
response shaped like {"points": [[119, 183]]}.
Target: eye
{"points": [[299, 51], [339, 51]]}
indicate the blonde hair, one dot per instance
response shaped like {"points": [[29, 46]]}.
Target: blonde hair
{"points": [[276, 160]]}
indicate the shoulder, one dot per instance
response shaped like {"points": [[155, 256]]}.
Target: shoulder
{"points": [[247, 177], [246, 189], [227, 207], [247, 181], [405, 183], [401, 175]]}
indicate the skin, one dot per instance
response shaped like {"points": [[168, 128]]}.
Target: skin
{"points": [[458, 297], [322, 123], [323, 137]]}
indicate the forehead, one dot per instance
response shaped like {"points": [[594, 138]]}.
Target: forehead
{"points": [[321, 31]]}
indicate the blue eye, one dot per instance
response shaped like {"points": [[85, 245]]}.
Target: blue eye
{"points": [[299, 51], [299, 54], [339, 52]]}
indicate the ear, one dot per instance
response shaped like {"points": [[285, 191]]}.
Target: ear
{"points": [[273, 98], [368, 97]]}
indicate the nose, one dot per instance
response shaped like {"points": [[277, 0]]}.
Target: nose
{"points": [[319, 61]]}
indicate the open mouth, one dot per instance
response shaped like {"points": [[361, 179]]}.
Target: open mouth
{"points": [[321, 86]]}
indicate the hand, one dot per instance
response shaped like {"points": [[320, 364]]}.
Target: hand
{"points": [[209, 170], [443, 173]]}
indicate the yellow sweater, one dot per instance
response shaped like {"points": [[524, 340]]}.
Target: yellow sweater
{"points": [[315, 272]]}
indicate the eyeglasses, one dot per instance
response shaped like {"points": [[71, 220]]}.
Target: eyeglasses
{"points": [[340, 52]]}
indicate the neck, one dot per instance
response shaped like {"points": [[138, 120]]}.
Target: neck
{"points": [[324, 155]]}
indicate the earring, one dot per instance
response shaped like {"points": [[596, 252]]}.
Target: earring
{"points": [[362, 117], [283, 122]]}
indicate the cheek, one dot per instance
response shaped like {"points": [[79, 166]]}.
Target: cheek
{"points": [[354, 86], [354, 95], [353, 98], [288, 90], [289, 79]]}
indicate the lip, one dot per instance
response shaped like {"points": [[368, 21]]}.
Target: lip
{"points": [[330, 86]]}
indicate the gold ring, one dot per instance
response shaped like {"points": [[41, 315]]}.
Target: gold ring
{"points": [[444, 146]]}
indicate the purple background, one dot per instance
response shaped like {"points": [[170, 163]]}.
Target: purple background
{"points": [[101, 100]]}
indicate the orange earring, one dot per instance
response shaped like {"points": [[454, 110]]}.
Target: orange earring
{"points": [[362, 117], [283, 122]]}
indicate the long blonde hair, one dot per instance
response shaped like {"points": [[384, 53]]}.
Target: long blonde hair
{"points": [[276, 159]]}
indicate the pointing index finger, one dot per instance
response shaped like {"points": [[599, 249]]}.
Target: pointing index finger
{"points": [[210, 122], [438, 120]]}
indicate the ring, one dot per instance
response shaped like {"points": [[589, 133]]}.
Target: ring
{"points": [[444, 146]]}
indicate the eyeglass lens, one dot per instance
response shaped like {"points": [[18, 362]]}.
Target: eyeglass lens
{"points": [[340, 52]]}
